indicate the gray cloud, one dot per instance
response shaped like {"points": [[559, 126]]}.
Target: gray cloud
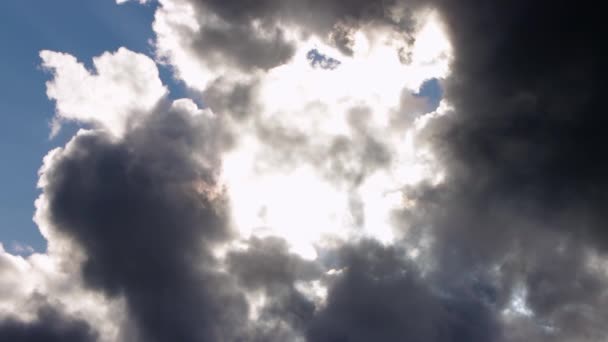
{"points": [[237, 100], [524, 201], [377, 294], [250, 38], [380, 296], [344, 160], [267, 266], [147, 212], [48, 326], [238, 45]]}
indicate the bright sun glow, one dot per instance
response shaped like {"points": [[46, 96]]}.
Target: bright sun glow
{"points": [[317, 102]]}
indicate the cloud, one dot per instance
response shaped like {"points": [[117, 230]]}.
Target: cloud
{"points": [[123, 85], [523, 181], [147, 212], [522, 203], [380, 296], [204, 40], [41, 296], [271, 275], [49, 326], [316, 201]]}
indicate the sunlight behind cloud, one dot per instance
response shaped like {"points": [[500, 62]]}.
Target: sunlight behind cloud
{"points": [[321, 103]]}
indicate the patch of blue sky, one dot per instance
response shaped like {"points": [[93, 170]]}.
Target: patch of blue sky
{"points": [[320, 60], [432, 91]]}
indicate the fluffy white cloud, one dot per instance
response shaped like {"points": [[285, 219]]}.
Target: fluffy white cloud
{"points": [[123, 85]]}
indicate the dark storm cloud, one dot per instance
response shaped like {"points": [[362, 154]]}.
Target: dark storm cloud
{"points": [[496, 248], [524, 202], [48, 326], [375, 295], [146, 212], [529, 115], [380, 296]]}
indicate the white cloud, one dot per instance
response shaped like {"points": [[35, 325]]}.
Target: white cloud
{"points": [[123, 85], [295, 200]]}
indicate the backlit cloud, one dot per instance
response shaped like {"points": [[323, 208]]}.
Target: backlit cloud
{"points": [[343, 171]]}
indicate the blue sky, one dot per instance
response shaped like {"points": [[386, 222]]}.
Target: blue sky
{"points": [[83, 28]]}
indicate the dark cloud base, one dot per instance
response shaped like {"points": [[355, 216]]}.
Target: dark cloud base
{"points": [[49, 326]]}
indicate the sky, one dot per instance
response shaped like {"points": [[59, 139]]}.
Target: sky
{"points": [[315, 171]]}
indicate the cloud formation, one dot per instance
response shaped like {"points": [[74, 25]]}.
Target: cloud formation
{"points": [[147, 212], [122, 85], [318, 197]]}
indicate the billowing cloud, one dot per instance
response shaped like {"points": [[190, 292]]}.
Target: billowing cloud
{"points": [[147, 217], [344, 132], [522, 203], [379, 295], [122, 86], [318, 195]]}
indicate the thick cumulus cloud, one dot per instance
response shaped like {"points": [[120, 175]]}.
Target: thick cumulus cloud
{"points": [[123, 83], [366, 292], [259, 217], [518, 218], [147, 213], [379, 295], [523, 204]]}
